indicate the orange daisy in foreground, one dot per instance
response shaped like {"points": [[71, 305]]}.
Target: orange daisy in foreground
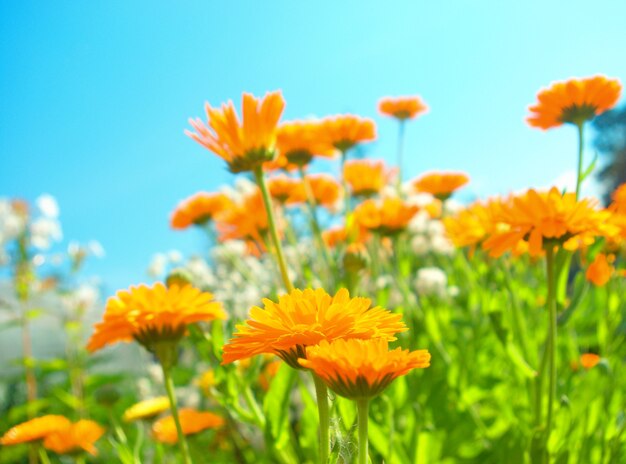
{"points": [[574, 101], [306, 317], [358, 369], [547, 218], [191, 421], [199, 209], [390, 215], [366, 177], [402, 107], [153, 314], [345, 131], [34, 429], [286, 190], [440, 184], [245, 145], [299, 141], [79, 436]]}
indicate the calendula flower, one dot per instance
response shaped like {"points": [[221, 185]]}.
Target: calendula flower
{"points": [[402, 107], [191, 421], [619, 200], [34, 429], [246, 144], [153, 314], [304, 318], [345, 131], [440, 184], [599, 271], [574, 101], [299, 141], [589, 360], [77, 437], [390, 215], [473, 224], [325, 190], [549, 218], [359, 369], [335, 236], [146, 409], [199, 209], [366, 177], [286, 190]]}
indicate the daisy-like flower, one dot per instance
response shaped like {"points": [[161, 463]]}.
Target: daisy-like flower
{"points": [[440, 184], [599, 271], [77, 437], [199, 209], [472, 225], [286, 190], [548, 218], [345, 131], [151, 315], [574, 101], [146, 409], [299, 141], [589, 360], [402, 107], [335, 236], [191, 421], [366, 177], [304, 318], [325, 190], [246, 144], [34, 429], [388, 216], [358, 369], [619, 200]]}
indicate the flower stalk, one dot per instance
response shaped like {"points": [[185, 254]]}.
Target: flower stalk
{"points": [[362, 405], [321, 392], [169, 386], [580, 126]]}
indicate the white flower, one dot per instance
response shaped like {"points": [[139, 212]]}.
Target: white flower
{"points": [[155, 372], [442, 245], [43, 231], [451, 207], [95, 248], [419, 222], [431, 281], [420, 245], [157, 265], [435, 229], [11, 223], [48, 206], [175, 256]]}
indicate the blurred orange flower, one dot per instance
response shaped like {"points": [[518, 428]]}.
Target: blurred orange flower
{"points": [[599, 271], [619, 200], [345, 131], [191, 421], [306, 317], [34, 429], [589, 360], [472, 225], [366, 177], [146, 409], [153, 314], [574, 101], [387, 216], [79, 436], [440, 184], [299, 141], [402, 107], [325, 189], [286, 190], [361, 368], [268, 373], [335, 236], [199, 209], [246, 144]]}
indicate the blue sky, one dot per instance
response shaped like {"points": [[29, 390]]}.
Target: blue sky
{"points": [[95, 95]]}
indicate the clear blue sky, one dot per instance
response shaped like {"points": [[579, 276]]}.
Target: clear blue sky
{"points": [[95, 95]]}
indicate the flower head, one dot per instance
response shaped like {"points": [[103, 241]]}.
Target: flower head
{"points": [[345, 131], [574, 101], [589, 360], [472, 225], [34, 429], [304, 318], [191, 421], [325, 190], [146, 409], [286, 190], [619, 200], [361, 368], [246, 144], [366, 177], [441, 184], [199, 209], [402, 107], [153, 314], [387, 216], [76, 437], [599, 271], [299, 141]]}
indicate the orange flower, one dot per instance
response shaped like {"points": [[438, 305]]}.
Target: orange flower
{"points": [[619, 200], [599, 272], [34, 429], [366, 177], [79, 436], [345, 131], [325, 189], [191, 421], [589, 360], [551, 217], [198, 209], [361, 368], [299, 141], [303, 318], [246, 144], [153, 314], [473, 224], [286, 190], [402, 107], [574, 101], [146, 409], [387, 216], [441, 184], [335, 236], [268, 373]]}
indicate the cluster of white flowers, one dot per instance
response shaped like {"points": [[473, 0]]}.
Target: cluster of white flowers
{"points": [[46, 228], [84, 298], [429, 236], [432, 281]]}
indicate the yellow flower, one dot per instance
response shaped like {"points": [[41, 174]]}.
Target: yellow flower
{"points": [[191, 421], [146, 409]]}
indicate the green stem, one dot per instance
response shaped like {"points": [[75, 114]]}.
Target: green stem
{"points": [[580, 127], [400, 152], [321, 392], [80, 459], [551, 335], [43, 455], [254, 407], [169, 386], [362, 405], [282, 264], [344, 185]]}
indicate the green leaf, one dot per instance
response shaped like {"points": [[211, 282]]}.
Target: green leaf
{"points": [[590, 168], [518, 360], [276, 410]]}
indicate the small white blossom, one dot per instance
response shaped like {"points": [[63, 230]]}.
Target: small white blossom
{"points": [[157, 265], [48, 206], [43, 231], [431, 281]]}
